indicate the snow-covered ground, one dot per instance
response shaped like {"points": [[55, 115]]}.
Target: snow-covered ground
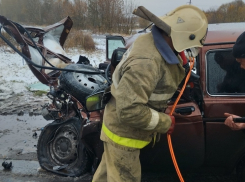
{"points": [[16, 77]]}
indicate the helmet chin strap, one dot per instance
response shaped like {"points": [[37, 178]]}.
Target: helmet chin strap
{"points": [[183, 57]]}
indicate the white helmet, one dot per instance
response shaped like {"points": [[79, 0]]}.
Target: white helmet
{"points": [[188, 27]]}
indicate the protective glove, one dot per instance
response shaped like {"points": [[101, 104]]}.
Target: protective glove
{"points": [[171, 129], [229, 122]]}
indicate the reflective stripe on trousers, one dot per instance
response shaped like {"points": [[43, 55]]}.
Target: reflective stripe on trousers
{"points": [[128, 142]]}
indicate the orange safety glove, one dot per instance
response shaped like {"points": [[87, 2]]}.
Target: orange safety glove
{"points": [[171, 129]]}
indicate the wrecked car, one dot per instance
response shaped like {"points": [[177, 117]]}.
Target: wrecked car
{"points": [[70, 145]]}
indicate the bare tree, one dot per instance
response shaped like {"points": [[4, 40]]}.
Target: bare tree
{"points": [[80, 13], [98, 15], [128, 17], [33, 10], [11, 9], [229, 12], [93, 15]]}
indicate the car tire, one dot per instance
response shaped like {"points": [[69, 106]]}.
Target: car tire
{"points": [[81, 85], [60, 151]]}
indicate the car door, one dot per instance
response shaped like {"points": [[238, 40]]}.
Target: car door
{"points": [[187, 140], [223, 91]]}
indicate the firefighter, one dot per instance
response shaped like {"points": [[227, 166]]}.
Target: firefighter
{"points": [[143, 82], [238, 52]]}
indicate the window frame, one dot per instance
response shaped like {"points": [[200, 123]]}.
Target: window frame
{"points": [[207, 81]]}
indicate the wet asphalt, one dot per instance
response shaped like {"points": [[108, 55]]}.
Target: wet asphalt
{"points": [[30, 171], [17, 145]]}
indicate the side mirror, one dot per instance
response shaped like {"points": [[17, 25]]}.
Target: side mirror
{"points": [[94, 102]]}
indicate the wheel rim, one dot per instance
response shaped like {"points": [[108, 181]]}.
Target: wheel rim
{"points": [[63, 147]]}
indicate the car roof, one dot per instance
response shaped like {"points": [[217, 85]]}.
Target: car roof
{"points": [[224, 33], [221, 33]]}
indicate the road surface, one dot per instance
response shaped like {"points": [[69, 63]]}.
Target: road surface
{"points": [[18, 145]]}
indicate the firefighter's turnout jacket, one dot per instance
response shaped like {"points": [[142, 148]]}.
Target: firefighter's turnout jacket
{"points": [[143, 82]]}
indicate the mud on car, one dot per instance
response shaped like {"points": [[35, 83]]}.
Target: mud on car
{"points": [[70, 145]]}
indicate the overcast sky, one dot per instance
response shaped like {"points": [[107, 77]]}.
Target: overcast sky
{"points": [[161, 7]]}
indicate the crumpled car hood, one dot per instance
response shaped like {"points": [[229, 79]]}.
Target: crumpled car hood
{"points": [[50, 41]]}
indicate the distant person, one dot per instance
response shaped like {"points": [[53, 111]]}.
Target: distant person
{"points": [[239, 53]]}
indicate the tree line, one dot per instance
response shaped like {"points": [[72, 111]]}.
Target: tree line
{"points": [[226, 13], [97, 15], [229, 12], [100, 16]]}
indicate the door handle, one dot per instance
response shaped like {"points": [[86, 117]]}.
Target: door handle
{"points": [[185, 110]]}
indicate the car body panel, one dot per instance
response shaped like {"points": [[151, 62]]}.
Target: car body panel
{"points": [[187, 140], [201, 138], [221, 37], [223, 146]]}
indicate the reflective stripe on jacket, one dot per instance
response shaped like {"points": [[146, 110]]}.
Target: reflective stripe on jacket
{"points": [[128, 142]]}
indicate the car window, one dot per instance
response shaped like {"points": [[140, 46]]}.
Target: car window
{"points": [[224, 75], [114, 44]]}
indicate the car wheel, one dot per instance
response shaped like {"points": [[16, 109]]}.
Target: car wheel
{"points": [[59, 149], [81, 85]]}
